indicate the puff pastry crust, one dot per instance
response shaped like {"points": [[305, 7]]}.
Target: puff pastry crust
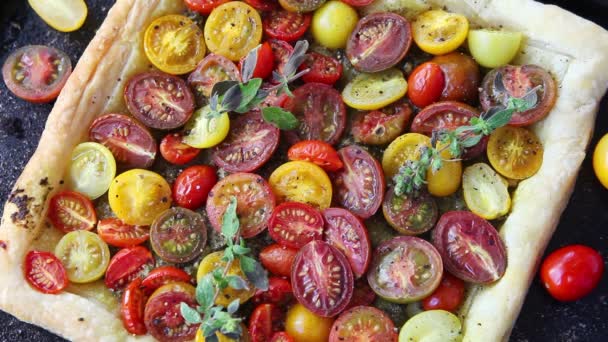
{"points": [[573, 49]]}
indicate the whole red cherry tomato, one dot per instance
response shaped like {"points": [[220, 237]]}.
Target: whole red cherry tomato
{"points": [[571, 272], [264, 64], [425, 84], [278, 259], [192, 186], [447, 296]]}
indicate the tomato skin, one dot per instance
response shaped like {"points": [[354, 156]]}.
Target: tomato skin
{"points": [[279, 292], [287, 26], [600, 160], [263, 5], [126, 266], [132, 308], [323, 69], [304, 326], [318, 152], [45, 272], [162, 276], [448, 296], [210, 70], [278, 259], [358, 3], [462, 77], [173, 149], [425, 84], [203, 6], [119, 234], [192, 186], [281, 336], [264, 321], [60, 206], [265, 62], [572, 272], [380, 127]]}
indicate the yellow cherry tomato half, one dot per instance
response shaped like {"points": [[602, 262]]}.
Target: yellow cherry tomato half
{"points": [[203, 131], [600, 160], [432, 326], [233, 29], [304, 326], [493, 49], [301, 181], [62, 15], [446, 180], [486, 193], [174, 44], [214, 261], [91, 170], [405, 147], [333, 23], [84, 254], [138, 196], [439, 32], [515, 152], [374, 91]]}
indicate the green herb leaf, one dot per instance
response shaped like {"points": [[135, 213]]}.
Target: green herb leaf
{"points": [[205, 292], [213, 337], [230, 222], [240, 249], [249, 64], [233, 306], [237, 282], [231, 99], [249, 91], [254, 272], [190, 315], [280, 118], [497, 120], [228, 254], [471, 141], [296, 58]]}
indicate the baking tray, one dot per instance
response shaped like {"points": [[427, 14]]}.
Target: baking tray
{"points": [[542, 318]]}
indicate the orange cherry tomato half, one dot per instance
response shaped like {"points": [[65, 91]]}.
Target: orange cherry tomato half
{"points": [[70, 211], [448, 296], [175, 151], [317, 152], [425, 84], [45, 272], [119, 234]]}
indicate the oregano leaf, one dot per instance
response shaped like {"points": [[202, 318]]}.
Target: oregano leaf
{"points": [[296, 58], [231, 99], [237, 282], [255, 273], [280, 118], [205, 292], [190, 315], [233, 306], [249, 64], [249, 91], [230, 221]]}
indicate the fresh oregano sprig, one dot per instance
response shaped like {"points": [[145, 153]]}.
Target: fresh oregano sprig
{"points": [[215, 318], [412, 174], [241, 97]]}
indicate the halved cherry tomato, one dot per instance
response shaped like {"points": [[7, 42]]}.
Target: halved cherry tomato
{"points": [[162, 315], [406, 147], [129, 141], [322, 279], [380, 127], [36, 73], [485, 192], [358, 3], [333, 23], [363, 323], [470, 247], [300, 181], [318, 152], [287, 26], [213, 261], [255, 202], [84, 255], [70, 210], [273, 100], [572, 272], [263, 5], [62, 15], [462, 77], [119, 234], [175, 151], [159, 100], [265, 62], [347, 233], [432, 325], [321, 112], [192, 186], [515, 152], [132, 307], [447, 115], [203, 6], [204, 131], [279, 291], [281, 336], [448, 296], [410, 215], [295, 224], [162, 276], [264, 321], [233, 29], [127, 265], [405, 269], [362, 295], [211, 70], [516, 82], [301, 5], [278, 259], [174, 44], [45, 272], [359, 186], [92, 169], [425, 84], [323, 69], [379, 41], [439, 32], [303, 325], [494, 48], [374, 91], [178, 235], [282, 50], [250, 143]]}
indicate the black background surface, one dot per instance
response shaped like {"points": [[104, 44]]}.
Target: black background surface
{"points": [[542, 319]]}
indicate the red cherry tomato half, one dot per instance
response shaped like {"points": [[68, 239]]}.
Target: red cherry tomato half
{"points": [[273, 100], [175, 151], [162, 314], [159, 100], [264, 321], [359, 186], [279, 292], [362, 294], [203, 6], [323, 69], [363, 323], [572, 272], [132, 308], [265, 61], [127, 265], [470, 247], [36, 73], [322, 279], [178, 235], [282, 51], [45, 272], [287, 26], [69, 211], [425, 84], [119, 234], [294, 224], [358, 3], [281, 336], [278, 259], [448, 296], [192, 186], [346, 232], [263, 5], [212, 69], [162, 276], [380, 127], [318, 152]]}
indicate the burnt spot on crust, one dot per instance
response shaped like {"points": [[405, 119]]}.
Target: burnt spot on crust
{"points": [[81, 319], [26, 209], [3, 244], [44, 181]]}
